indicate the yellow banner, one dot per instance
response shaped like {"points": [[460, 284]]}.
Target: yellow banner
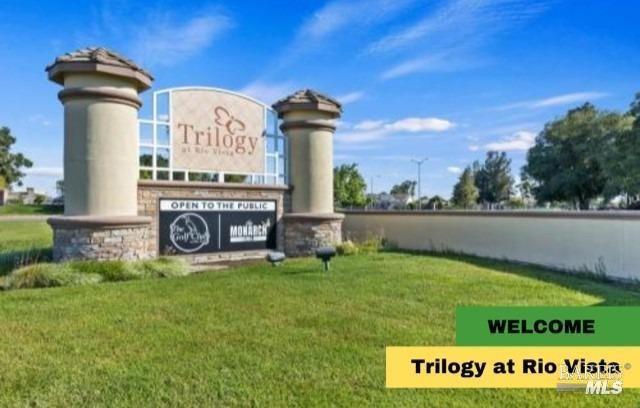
{"points": [[513, 367]]}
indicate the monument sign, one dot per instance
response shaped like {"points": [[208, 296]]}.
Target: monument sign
{"points": [[207, 226], [207, 174]]}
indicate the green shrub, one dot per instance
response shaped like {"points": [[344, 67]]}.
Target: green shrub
{"points": [[111, 271], [45, 275], [368, 246], [347, 248], [164, 268], [13, 259], [34, 276]]}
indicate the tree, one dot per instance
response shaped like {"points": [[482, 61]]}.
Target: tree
{"points": [[39, 199], [349, 187], [11, 164], [493, 178], [407, 187], [437, 203], [634, 109], [60, 188], [566, 161], [465, 192], [620, 159], [526, 188]]}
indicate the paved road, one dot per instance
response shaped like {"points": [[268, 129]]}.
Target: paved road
{"points": [[23, 217]]}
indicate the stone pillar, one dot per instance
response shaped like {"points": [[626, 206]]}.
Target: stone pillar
{"points": [[308, 121], [101, 103]]}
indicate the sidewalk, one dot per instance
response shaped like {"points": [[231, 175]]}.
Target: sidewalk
{"points": [[24, 217]]}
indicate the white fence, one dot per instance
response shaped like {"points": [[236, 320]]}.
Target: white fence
{"points": [[602, 242]]}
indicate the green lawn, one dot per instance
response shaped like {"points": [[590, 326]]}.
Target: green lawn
{"points": [[23, 241], [262, 336], [22, 209]]}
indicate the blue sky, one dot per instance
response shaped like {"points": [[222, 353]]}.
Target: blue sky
{"points": [[443, 79]]}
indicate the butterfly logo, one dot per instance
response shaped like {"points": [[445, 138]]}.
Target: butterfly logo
{"points": [[225, 119]]}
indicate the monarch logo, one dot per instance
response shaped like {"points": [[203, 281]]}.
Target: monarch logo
{"points": [[249, 232], [601, 387], [189, 232]]}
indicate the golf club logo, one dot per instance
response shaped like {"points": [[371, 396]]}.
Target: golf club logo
{"points": [[189, 232]]}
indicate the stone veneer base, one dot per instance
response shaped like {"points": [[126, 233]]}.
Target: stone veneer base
{"points": [[303, 233], [100, 238]]}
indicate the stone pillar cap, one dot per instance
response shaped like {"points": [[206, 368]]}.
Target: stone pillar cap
{"points": [[308, 100], [99, 60]]}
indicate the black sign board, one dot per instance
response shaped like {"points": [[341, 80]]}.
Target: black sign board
{"points": [[189, 226]]}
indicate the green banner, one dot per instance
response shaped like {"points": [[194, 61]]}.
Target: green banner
{"points": [[548, 326]]}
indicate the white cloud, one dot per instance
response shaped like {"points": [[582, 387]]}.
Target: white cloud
{"points": [[521, 140], [342, 124], [40, 120], [448, 38], [474, 148], [44, 171], [339, 15], [458, 19], [369, 125], [558, 100], [166, 40], [350, 97], [361, 136], [266, 92], [430, 63], [454, 169], [370, 130], [420, 125], [347, 18], [340, 156]]}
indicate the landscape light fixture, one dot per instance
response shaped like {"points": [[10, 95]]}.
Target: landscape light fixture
{"points": [[276, 258], [325, 254], [419, 163]]}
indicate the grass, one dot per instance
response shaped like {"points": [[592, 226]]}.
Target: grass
{"points": [[47, 275], [23, 242], [24, 245], [23, 209], [261, 336]]}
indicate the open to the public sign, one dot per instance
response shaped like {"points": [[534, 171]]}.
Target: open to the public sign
{"points": [[204, 226]]}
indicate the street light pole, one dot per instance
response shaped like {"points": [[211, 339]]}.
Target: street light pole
{"points": [[419, 163], [371, 185]]}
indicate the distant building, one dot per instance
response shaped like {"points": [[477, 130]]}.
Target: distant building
{"points": [[386, 201], [29, 196]]}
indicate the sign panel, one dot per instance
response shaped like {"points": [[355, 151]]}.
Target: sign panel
{"points": [[204, 226], [217, 131]]}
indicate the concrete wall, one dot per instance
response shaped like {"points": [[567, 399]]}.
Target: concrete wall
{"points": [[597, 242]]}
